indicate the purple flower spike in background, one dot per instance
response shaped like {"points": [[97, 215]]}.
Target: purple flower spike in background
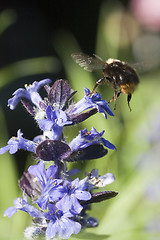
{"points": [[58, 203]]}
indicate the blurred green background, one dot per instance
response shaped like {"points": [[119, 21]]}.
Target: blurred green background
{"points": [[36, 41]]}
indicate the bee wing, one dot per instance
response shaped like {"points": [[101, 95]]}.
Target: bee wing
{"points": [[88, 62]]}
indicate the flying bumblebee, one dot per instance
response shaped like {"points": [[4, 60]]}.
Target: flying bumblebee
{"points": [[119, 74]]}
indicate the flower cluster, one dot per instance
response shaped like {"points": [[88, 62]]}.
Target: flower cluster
{"points": [[58, 204]]}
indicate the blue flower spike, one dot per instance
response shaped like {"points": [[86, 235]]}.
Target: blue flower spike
{"points": [[59, 202]]}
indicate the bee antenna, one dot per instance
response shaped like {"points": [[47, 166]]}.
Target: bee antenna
{"points": [[128, 100]]}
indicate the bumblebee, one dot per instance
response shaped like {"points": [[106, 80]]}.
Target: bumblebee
{"points": [[120, 75]]}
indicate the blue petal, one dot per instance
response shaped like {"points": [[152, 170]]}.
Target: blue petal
{"points": [[4, 149], [108, 144], [108, 178], [86, 91], [10, 211], [38, 171], [82, 195], [76, 206], [51, 230], [51, 171], [45, 124], [43, 201], [18, 95], [68, 227]]}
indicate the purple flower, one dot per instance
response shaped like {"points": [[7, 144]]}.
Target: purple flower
{"points": [[59, 223], [55, 121], [85, 139], [30, 93], [50, 185], [18, 142], [92, 100], [22, 204], [72, 192]]}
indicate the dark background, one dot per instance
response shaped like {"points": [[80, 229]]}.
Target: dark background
{"points": [[37, 21]]}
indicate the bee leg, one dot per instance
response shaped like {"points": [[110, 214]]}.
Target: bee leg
{"points": [[116, 95], [128, 100], [97, 84], [115, 99], [111, 100]]}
